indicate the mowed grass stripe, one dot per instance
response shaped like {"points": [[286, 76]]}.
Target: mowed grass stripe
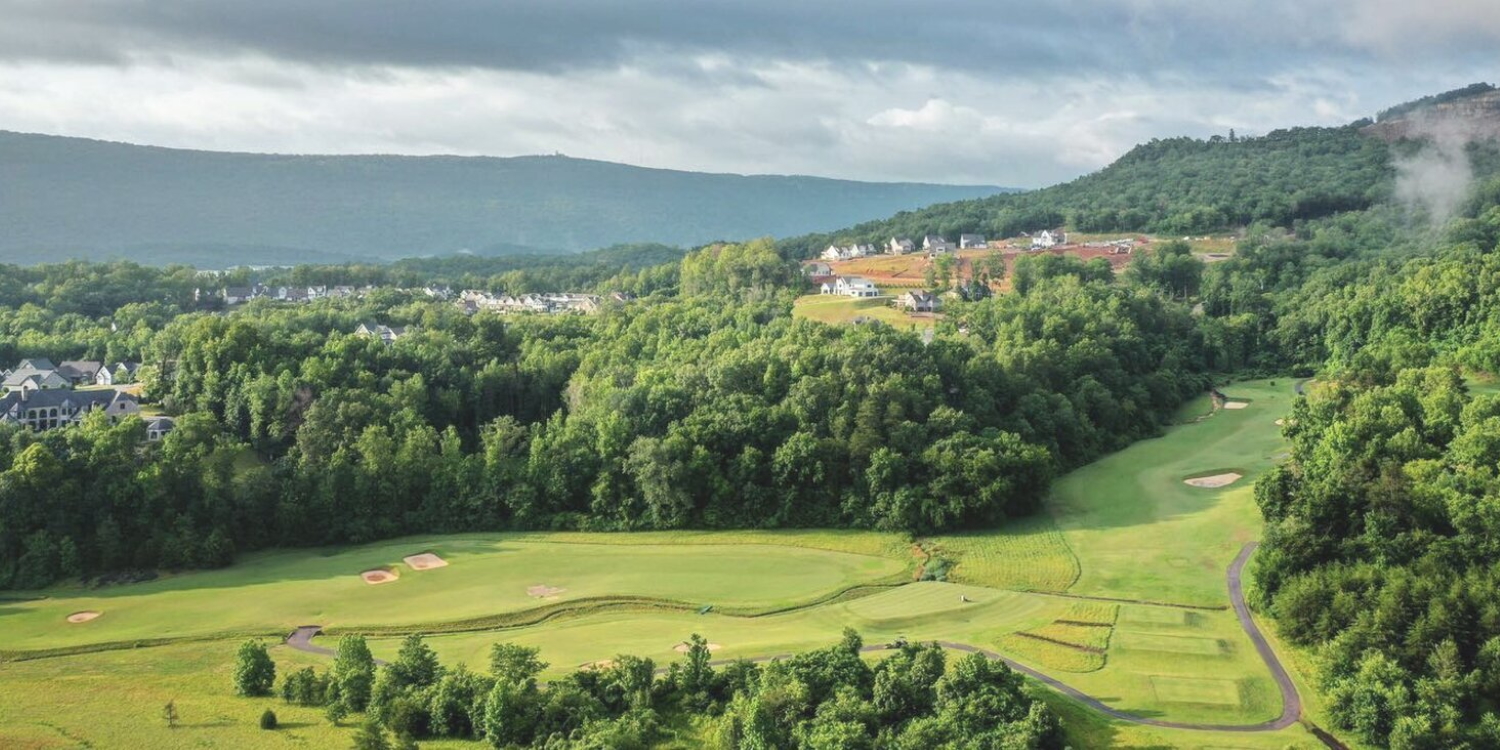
{"points": [[485, 576]]}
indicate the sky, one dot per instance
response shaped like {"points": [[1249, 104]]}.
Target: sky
{"points": [[1020, 93]]}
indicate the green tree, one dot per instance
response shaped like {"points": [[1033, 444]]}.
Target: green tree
{"points": [[353, 672], [254, 671]]}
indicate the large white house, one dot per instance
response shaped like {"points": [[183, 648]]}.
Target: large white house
{"points": [[900, 246], [855, 286], [50, 409], [835, 252], [1046, 239], [971, 241]]}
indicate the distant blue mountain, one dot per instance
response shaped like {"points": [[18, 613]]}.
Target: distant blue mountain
{"points": [[78, 198]]}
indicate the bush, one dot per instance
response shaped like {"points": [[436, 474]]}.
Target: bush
{"points": [[268, 719]]}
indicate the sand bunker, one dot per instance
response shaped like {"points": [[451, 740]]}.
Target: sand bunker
{"points": [[683, 647], [425, 561], [543, 591], [378, 576], [78, 617], [1236, 404], [1214, 481]]}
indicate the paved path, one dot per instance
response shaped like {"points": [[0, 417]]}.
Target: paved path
{"points": [[1291, 702], [301, 640]]}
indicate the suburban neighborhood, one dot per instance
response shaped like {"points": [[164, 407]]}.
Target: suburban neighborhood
{"points": [[42, 396]]}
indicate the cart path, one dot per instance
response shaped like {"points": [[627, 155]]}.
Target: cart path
{"points": [[1291, 702]]}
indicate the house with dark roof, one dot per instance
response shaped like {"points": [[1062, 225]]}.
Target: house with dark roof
{"points": [[935, 244], [158, 427], [971, 241], [919, 301], [51, 409], [31, 379], [385, 333], [120, 374], [80, 372], [36, 363]]}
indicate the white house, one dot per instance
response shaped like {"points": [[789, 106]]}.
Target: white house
{"points": [[900, 246], [971, 241], [834, 252], [855, 286], [935, 244], [1045, 240]]}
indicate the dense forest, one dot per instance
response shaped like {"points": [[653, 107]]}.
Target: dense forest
{"points": [[706, 404]]}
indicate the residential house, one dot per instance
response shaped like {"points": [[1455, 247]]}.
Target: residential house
{"points": [[36, 363], [816, 268], [120, 374], [918, 301], [80, 372], [32, 379], [1047, 239], [936, 245], [855, 286], [50, 409], [971, 241], [158, 427], [385, 333], [900, 246], [829, 287]]}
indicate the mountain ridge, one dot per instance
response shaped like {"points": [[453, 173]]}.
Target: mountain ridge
{"points": [[65, 197]]}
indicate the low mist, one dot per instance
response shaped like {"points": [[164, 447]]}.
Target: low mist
{"points": [[1437, 178]]}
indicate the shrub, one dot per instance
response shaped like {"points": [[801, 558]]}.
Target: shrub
{"points": [[268, 719]]}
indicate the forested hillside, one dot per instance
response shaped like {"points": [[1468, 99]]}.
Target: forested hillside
{"points": [[65, 198], [1173, 186]]}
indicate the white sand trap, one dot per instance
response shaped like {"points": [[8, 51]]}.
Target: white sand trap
{"points": [[1236, 404], [425, 561], [78, 617], [373, 577], [543, 591], [683, 647], [1214, 481]]}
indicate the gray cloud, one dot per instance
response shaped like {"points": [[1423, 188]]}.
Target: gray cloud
{"points": [[997, 91]]}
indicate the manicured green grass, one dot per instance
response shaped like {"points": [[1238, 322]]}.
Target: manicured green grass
{"points": [[919, 611], [487, 574], [1140, 533], [836, 310]]}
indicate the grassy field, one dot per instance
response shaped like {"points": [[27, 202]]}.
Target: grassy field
{"points": [[836, 310], [1126, 528], [487, 574], [1139, 532]]}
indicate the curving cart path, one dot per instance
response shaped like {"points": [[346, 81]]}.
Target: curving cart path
{"points": [[1291, 701]]}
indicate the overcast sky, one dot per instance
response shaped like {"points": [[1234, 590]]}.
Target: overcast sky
{"points": [[1008, 92]]}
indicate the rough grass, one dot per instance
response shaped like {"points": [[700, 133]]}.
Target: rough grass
{"points": [[1027, 555], [835, 310], [1050, 657]]}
